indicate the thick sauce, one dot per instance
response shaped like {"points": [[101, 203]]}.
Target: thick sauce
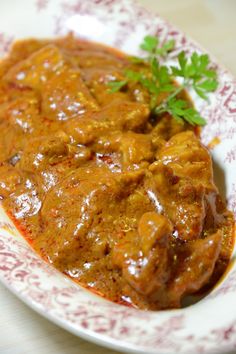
{"points": [[123, 203]]}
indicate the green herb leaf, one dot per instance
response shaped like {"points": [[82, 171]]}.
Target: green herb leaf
{"points": [[208, 85], [166, 48], [116, 86], [155, 68], [150, 85], [133, 75], [204, 87], [149, 43], [164, 75], [167, 88], [196, 73], [136, 60], [180, 110], [182, 63]]}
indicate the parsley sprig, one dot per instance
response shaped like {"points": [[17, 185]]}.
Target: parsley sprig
{"points": [[194, 73]]}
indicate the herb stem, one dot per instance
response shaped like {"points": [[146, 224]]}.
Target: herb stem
{"points": [[176, 92], [162, 107]]}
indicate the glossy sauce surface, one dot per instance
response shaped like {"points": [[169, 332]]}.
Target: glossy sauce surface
{"points": [[120, 201]]}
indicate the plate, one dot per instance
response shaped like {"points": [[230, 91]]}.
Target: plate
{"points": [[206, 327]]}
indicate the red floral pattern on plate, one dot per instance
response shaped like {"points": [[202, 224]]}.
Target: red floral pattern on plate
{"points": [[41, 4], [46, 290], [22, 270], [5, 42]]}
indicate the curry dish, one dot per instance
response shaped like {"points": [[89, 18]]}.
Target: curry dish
{"points": [[123, 203]]}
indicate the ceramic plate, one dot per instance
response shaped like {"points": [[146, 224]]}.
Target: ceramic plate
{"points": [[206, 327]]}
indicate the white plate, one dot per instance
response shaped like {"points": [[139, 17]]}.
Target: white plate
{"points": [[208, 326]]}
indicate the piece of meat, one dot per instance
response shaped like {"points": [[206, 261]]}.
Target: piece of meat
{"points": [[22, 111], [143, 257], [168, 126], [186, 156], [38, 68], [65, 96], [135, 148], [116, 116], [132, 148], [183, 180], [10, 179], [99, 206], [195, 269], [43, 151], [50, 158], [25, 202]]}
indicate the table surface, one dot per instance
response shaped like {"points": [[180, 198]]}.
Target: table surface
{"points": [[212, 24]]}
